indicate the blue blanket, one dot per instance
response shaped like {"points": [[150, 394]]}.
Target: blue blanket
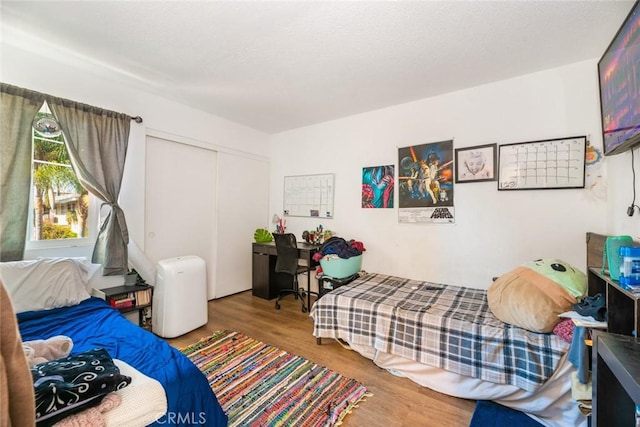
{"points": [[94, 324]]}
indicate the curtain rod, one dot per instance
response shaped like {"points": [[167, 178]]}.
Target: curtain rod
{"points": [[11, 89]]}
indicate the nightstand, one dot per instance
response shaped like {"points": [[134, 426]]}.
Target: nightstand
{"points": [[623, 306], [132, 298]]}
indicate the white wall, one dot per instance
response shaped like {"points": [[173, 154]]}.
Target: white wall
{"points": [[26, 67], [620, 177], [493, 231]]}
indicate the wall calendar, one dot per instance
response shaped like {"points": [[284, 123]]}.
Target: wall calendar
{"points": [[309, 195], [546, 164]]}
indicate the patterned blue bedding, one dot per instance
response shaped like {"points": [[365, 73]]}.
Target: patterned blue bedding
{"points": [[444, 326], [94, 324]]}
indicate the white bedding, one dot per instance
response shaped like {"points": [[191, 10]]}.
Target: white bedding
{"points": [[551, 404], [143, 401]]}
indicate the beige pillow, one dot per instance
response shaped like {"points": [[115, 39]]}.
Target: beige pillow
{"points": [[532, 300]]}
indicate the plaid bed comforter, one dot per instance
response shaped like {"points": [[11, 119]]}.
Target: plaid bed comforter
{"points": [[444, 326]]}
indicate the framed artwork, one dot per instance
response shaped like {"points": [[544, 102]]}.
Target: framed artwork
{"points": [[545, 164], [425, 183], [476, 164], [377, 186]]}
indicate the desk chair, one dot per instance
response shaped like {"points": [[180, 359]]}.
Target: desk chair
{"points": [[287, 262]]}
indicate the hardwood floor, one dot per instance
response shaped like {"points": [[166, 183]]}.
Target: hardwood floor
{"points": [[395, 401]]}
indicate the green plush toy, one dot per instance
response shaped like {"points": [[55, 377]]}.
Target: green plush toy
{"points": [[562, 273], [532, 295]]}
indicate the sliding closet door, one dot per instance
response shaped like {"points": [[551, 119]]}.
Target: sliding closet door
{"points": [[180, 214], [243, 204]]}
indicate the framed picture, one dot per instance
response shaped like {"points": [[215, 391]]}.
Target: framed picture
{"points": [[377, 186], [476, 164]]}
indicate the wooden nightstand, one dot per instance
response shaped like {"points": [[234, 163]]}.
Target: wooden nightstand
{"points": [[132, 298]]}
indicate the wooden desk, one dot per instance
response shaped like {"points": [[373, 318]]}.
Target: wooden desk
{"points": [[266, 282]]}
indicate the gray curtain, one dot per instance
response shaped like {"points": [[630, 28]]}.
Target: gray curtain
{"points": [[18, 107], [97, 142]]}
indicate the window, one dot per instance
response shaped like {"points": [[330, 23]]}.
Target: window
{"points": [[61, 209]]}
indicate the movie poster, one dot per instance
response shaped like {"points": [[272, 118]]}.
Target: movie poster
{"points": [[378, 186], [425, 180]]}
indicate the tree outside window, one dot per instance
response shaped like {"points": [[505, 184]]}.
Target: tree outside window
{"points": [[60, 204]]}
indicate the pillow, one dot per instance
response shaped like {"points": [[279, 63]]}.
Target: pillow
{"points": [[532, 295], [45, 283], [74, 383]]}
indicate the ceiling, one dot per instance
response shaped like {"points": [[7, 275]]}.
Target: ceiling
{"points": [[279, 65]]}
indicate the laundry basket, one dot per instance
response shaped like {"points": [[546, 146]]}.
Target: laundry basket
{"points": [[340, 268]]}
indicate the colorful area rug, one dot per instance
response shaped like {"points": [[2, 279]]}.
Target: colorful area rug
{"points": [[261, 385]]}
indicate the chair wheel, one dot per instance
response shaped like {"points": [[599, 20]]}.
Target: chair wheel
{"points": [[277, 306], [304, 309]]}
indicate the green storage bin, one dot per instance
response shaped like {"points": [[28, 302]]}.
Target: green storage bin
{"points": [[340, 268], [611, 254]]}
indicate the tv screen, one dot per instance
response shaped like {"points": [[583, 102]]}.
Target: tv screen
{"points": [[619, 76]]}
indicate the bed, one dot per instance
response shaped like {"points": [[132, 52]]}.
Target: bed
{"points": [[446, 338], [91, 323]]}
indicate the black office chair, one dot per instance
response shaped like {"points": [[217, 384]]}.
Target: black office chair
{"points": [[287, 262]]}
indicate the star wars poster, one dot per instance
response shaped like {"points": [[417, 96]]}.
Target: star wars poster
{"points": [[378, 186], [425, 176]]}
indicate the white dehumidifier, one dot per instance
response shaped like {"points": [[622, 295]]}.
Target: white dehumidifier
{"points": [[180, 296]]}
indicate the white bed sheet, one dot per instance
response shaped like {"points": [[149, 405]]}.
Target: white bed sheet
{"points": [[551, 404]]}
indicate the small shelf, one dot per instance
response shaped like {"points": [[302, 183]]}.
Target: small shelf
{"points": [[117, 290], [623, 306], [143, 321]]}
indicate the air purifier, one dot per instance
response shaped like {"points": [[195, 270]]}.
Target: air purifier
{"points": [[180, 296]]}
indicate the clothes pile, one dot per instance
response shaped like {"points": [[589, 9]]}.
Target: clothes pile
{"points": [[340, 247]]}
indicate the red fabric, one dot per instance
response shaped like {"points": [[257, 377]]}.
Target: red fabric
{"points": [[358, 245]]}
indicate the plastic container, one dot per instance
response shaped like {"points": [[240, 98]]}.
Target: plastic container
{"points": [[340, 268], [629, 266], [611, 254]]}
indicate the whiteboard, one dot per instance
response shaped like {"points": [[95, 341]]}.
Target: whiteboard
{"points": [[547, 164], [309, 195]]}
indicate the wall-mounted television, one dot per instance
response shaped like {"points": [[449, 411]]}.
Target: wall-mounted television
{"points": [[619, 77]]}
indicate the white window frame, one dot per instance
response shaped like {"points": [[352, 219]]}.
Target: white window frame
{"points": [[92, 226]]}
